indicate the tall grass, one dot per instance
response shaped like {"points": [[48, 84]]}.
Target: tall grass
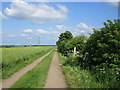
{"points": [[78, 77], [37, 76], [13, 59]]}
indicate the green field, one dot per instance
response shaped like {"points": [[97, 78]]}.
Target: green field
{"points": [[37, 76], [13, 59]]}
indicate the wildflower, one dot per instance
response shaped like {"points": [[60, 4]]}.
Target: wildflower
{"points": [[117, 72], [103, 71]]}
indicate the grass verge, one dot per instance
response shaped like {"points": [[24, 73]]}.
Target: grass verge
{"points": [[37, 76], [77, 77]]}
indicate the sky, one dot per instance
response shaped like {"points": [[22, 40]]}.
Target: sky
{"points": [[27, 23]]}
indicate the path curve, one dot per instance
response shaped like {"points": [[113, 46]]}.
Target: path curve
{"points": [[6, 83], [55, 77]]}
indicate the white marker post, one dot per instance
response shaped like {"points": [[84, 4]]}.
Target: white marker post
{"points": [[74, 51]]}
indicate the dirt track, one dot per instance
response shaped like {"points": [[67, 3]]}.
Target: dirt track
{"points": [[8, 82], [55, 77]]}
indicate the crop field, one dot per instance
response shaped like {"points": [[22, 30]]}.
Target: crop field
{"points": [[15, 58]]}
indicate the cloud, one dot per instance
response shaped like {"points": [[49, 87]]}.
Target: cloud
{"points": [[41, 31], [82, 31], [60, 27], [29, 37], [82, 27], [24, 35], [1, 32], [2, 16], [28, 31], [11, 36], [45, 32], [36, 13], [63, 8]]}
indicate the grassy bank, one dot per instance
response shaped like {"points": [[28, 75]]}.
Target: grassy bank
{"points": [[37, 76], [77, 77], [13, 59]]}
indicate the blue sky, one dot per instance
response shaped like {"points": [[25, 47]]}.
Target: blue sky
{"points": [[23, 22]]}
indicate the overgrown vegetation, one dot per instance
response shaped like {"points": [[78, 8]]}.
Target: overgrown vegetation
{"points": [[99, 55], [37, 76], [77, 77], [13, 59]]}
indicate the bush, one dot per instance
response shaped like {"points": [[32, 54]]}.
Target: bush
{"points": [[103, 46], [77, 42]]}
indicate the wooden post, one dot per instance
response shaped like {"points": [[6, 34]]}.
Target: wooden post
{"points": [[74, 51]]}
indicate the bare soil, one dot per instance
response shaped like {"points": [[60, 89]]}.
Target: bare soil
{"points": [[55, 77]]}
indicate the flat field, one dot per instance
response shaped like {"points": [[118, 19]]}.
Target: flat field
{"points": [[15, 58]]}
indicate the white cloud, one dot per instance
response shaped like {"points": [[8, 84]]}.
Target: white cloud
{"points": [[45, 32], [1, 32], [24, 35], [82, 27], [60, 27], [41, 31], [82, 31], [2, 16], [37, 13], [63, 8], [28, 31], [11, 36], [29, 37]]}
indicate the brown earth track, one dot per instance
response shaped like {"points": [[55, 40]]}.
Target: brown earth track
{"points": [[55, 78], [6, 83]]}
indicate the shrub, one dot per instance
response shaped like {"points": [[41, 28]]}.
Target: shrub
{"points": [[103, 46], [77, 42]]}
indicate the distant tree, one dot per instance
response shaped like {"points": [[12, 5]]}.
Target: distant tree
{"points": [[63, 39]]}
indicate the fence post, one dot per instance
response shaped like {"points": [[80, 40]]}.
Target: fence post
{"points": [[74, 51]]}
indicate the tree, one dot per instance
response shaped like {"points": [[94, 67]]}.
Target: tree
{"points": [[103, 46], [63, 39], [77, 42]]}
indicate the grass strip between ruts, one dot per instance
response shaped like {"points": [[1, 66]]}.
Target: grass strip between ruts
{"points": [[37, 76]]}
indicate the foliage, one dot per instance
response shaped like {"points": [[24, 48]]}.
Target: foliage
{"points": [[103, 46], [63, 39], [77, 42], [37, 76], [100, 54], [77, 77]]}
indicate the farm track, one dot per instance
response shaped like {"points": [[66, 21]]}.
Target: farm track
{"points": [[55, 78], [6, 83]]}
